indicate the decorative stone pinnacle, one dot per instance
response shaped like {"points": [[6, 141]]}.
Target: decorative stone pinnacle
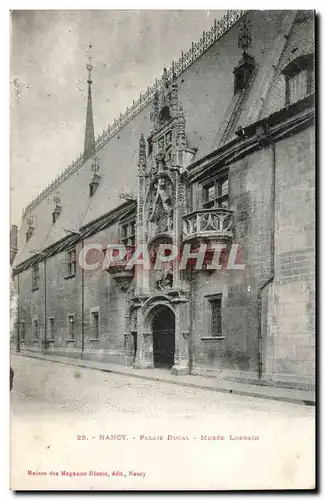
{"points": [[245, 35], [142, 154], [181, 128], [165, 78], [57, 199], [173, 71]]}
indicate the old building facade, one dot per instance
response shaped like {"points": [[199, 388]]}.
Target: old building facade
{"points": [[221, 151]]}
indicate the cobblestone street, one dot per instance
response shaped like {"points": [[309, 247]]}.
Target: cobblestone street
{"points": [[65, 417]]}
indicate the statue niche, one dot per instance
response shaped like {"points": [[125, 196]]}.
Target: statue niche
{"points": [[159, 207], [162, 278]]}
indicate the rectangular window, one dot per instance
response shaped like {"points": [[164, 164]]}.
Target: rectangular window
{"points": [[161, 143], [298, 84], [215, 193], [71, 263], [124, 234], [165, 142], [216, 316], [22, 331], [299, 78], [127, 233], [71, 327], [35, 329], [132, 234], [51, 328], [95, 325], [35, 277]]}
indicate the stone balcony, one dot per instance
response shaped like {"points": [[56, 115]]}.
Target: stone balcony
{"points": [[117, 268], [208, 226]]}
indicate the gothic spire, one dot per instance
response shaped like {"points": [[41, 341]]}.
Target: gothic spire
{"points": [[89, 146]]}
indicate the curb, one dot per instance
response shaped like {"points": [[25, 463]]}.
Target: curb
{"points": [[238, 392]]}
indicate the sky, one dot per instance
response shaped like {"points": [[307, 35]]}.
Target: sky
{"points": [[48, 80]]}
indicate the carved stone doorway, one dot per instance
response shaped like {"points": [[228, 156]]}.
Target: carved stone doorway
{"points": [[163, 331]]}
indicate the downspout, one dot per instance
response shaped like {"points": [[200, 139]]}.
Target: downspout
{"points": [[191, 324], [265, 139], [18, 321], [191, 339], [82, 303], [45, 306]]}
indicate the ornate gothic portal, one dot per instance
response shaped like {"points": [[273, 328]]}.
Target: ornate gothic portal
{"points": [[160, 299], [163, 332]]}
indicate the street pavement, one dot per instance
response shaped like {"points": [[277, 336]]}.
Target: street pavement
{"points": [[72, 419]]}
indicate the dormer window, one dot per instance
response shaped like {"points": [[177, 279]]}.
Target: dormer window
{"points": [[299, 77], [29, 233], [243, 73], [30, 230], [56, 214], [94, 185], [57, 210]]}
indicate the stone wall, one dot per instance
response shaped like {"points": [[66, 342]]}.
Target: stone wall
{"points": [[64, 297], [286, 349], [290, 349]]}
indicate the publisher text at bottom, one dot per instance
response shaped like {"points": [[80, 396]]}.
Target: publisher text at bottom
{"points": [[90, 473]]}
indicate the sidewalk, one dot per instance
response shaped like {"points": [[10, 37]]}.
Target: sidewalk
{"points": [[196, 381]]}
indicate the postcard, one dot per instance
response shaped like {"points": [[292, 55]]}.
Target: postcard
{"points": [[162, 282]]}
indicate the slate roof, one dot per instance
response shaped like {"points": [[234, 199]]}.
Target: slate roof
{"points": [[206, 92]]}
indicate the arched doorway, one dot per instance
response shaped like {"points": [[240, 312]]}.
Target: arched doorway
{"points": [[163, 331]]}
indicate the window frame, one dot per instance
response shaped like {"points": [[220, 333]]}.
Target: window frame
{"points": [[51, 321], [35, 322], [69, 323], [22, 328], [208, 319], [94, 312], [71, 263], [165, 137], [129, 239], [298, 65], [212, 300], [35, 277], [216, 183]]}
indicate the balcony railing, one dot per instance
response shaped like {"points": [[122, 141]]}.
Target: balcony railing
{"points": [[209, 223]]}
